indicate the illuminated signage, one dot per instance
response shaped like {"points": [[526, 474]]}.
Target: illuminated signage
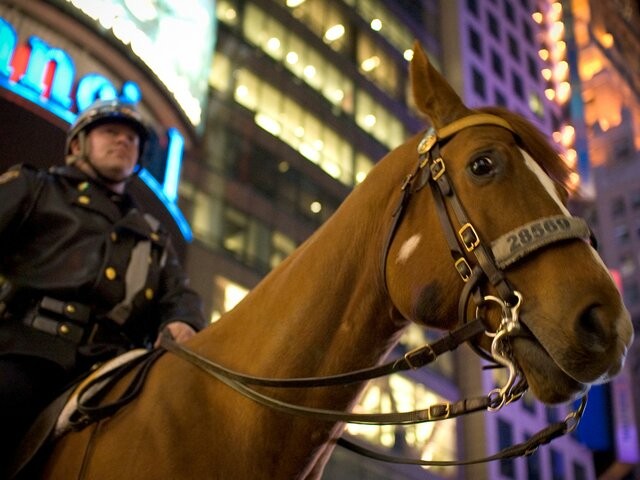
{"points": [[175, 39], [45, 75], [627, 439], [624, 419]]}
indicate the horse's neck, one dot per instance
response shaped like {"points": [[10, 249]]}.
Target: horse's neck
{"points": [[322, 311]]}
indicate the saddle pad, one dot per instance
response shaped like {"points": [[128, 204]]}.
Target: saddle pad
{"points": [[63, 422]]}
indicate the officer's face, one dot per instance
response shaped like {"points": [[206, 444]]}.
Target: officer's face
{"points": [[113, 149]]}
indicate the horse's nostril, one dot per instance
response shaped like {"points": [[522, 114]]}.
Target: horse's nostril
{"points": [[592, 328]]}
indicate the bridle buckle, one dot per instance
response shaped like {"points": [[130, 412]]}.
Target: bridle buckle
{"points": [[463, 268], [437, 168], [439, 412], [469, 237]]}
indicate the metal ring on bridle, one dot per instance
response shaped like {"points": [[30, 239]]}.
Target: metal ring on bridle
{"points": [[572, 420], [501, 351]]}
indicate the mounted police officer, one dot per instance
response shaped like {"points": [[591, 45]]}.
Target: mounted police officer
{"points": [[84, 274]]}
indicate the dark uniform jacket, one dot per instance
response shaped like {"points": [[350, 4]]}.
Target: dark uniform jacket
{"points": [[74, 291]]}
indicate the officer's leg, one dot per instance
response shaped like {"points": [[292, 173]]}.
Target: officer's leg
{"points": [[27, 385]]}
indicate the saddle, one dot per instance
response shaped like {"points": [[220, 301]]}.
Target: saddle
{"points": [[79, 406]]}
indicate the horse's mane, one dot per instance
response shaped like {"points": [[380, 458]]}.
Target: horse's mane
{"points": [[536, 144]]}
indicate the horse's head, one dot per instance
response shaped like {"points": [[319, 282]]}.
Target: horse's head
{"points": [[495, 179]]}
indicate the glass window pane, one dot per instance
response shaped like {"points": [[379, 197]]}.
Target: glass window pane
{"points": [[205, 221], [246, 92], [292, 129], [259, 245], [282, 247], [273, 39], [363, 166], [220, 73], [295, 54], [253, 25], [227, 12], [235, 225]]}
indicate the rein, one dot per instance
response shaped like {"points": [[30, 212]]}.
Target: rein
{"points": [[493, 401], [529, 447], [413, 359]]}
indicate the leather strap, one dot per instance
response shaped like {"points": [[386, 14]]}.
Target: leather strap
{"points": [[543, 437], [411, 360], [472, 121], [433, 413], [91, 408]]}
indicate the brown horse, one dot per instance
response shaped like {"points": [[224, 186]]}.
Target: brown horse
{"points": [[340, 302]]}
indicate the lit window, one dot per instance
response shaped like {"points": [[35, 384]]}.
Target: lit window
{"points": [[220, 73], [427, 441], [292, 58], [269, 124], [273, 44], [334, 33], [363, 167], [226, 12], [282, 246], [315, 207], [226, 295], [370, 63]]}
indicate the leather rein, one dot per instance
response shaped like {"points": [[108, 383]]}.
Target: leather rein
{"points": [[475, 261]]}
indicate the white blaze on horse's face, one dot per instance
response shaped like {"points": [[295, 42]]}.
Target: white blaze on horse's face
{"points": [[545, 180], [553, 193], [408, 248]]}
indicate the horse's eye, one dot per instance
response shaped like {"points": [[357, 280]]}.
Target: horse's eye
{"points": [[482, 166]]}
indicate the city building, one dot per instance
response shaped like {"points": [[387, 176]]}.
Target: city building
{"points": [[608, 54], [301, 98]]}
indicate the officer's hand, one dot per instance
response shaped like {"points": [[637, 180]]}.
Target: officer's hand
{"points": [[179, 331]]}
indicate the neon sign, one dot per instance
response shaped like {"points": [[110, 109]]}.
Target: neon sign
{"points": [[45, 76], [175, 39]]}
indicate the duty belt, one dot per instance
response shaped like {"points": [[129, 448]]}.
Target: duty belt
{"points": [[67, 320]]}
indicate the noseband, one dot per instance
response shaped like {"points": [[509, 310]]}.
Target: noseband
{"points": [[475, 260]]}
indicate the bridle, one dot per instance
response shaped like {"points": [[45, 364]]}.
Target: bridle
{"points": [[475, 261]]}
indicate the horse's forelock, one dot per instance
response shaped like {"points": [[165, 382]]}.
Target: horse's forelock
{"points": [[537, 145]]}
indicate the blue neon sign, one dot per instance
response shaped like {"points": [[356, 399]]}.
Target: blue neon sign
{"points": [[26, 71]]}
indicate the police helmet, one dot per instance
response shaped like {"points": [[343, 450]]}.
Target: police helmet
{"points": [[109, 111]]}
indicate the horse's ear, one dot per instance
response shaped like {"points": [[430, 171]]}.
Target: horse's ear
{"points": [[432, 93]]}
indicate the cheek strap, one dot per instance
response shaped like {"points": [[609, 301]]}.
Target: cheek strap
{"points": [[516, 244]]}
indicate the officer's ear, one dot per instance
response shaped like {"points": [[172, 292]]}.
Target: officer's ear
{"points": [[74, 146]]}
